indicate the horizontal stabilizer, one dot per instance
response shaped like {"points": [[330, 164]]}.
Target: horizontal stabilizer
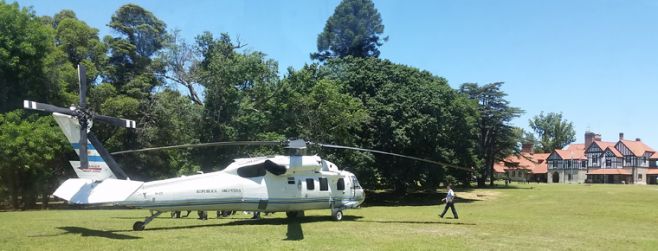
{"points": [[86, 191]]}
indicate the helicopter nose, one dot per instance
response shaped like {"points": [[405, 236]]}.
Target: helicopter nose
{"points": [[360, 196]]}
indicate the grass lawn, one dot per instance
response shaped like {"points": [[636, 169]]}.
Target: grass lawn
{"points": [[534, 216]]}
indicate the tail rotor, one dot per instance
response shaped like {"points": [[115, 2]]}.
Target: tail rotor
{"points": [[83, 115]]}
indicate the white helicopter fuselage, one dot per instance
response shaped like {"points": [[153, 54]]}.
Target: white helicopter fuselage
{"points": [[312, 185], [302, 183]]}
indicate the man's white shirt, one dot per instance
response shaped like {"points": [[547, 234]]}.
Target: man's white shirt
{"points": [[450, 196]]}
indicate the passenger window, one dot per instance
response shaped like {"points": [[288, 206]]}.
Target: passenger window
{"points": [[310, 184], [324, 185], [341, 184]]}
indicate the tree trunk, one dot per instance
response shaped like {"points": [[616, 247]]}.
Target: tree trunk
{"points": [[481, 181], [45, 198], [15, 202]]}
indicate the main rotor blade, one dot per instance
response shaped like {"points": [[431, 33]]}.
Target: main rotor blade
{"points": [[231, 143], [82, 80], [47, 108], [84, 160], [116, 121], [390, 153]]}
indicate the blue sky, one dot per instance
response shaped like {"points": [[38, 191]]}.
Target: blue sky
{"points": [[595, 61]]}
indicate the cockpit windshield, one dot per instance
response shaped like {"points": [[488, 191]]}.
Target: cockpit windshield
{"points": [[356, 183]]}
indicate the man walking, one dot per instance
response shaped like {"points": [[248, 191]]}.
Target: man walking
{"points": [[449, 203]]}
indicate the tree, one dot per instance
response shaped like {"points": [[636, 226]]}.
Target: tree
{"points": [[80, 42], [182, 64], [412, 112], [497, 138], [229, 77], [32, 149], [140, 28], [174, 120], [29, 63], [131, 66], [553, 131], [355, 29]]}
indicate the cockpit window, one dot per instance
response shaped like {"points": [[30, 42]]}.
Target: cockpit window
{"points": [[356, 183]]}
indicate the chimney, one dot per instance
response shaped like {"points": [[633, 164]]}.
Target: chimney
{"points": [[526, 147], [597, 137], [589, 138], [638, 139], [621, 136]]}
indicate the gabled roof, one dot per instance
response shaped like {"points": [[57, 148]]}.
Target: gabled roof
{"points": [[602, 144], [654, 156], [638, 148], [541, 166], [535, 163], [571, 154], [499, 167], [522, 161], [575, 147], [614, 151]]}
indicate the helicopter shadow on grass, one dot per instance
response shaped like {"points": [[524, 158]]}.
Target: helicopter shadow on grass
{"points": [[391, 199], [294, 225], [86, 232], [420, 222]]}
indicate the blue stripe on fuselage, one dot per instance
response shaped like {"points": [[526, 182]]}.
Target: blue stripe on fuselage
{"points": [[95, 158], [77, 146]]}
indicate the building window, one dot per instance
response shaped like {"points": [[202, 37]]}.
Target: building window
{"points": [[569, 177], [639, 176], [608, 163], [310, 184], [595, 160], [291, 180], [583, 163]]}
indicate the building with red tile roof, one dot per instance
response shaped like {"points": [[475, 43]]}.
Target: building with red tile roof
{"points": [[595, 161], [625, 161], [567, 165], [526, 166]]}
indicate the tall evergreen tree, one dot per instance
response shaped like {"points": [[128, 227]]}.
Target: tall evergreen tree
{"points": [[497, 138], [553, 131], [355, 29]]}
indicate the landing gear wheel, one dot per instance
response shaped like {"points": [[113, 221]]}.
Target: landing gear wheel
{"points": [[138, 226], [338, 215]]}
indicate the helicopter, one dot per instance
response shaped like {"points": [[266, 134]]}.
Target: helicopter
{"points": [[281, 183]]}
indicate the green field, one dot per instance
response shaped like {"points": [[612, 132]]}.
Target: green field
{"points": [[535, 216]]}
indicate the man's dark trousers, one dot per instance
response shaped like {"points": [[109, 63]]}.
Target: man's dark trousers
{"points": [[450, 205]]}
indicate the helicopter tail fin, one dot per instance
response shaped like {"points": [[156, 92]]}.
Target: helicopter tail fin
{"points": [[101, 165]]}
